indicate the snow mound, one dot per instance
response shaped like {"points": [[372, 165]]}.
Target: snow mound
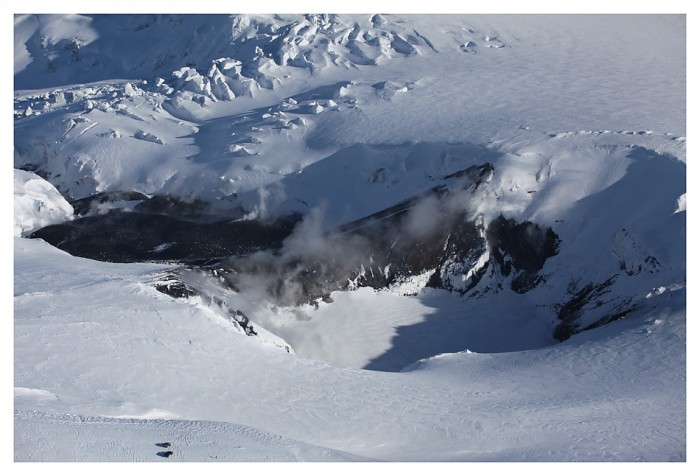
{"points": [[148, 137], [388, 89], [37, 203], [680, 207]]}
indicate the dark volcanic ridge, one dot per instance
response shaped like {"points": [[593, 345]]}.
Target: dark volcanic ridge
{"points": [[119, 236], [433, 237], [432, 233]]}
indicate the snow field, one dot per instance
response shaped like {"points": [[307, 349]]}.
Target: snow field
{"points": [[97, 439], [493, 98], [152, 356]]}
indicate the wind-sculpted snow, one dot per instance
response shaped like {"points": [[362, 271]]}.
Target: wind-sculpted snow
{"points": [[85, 141], [99, 439], [218, 57]]}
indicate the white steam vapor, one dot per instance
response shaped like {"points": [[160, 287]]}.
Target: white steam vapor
{"points": [[312, 262]]}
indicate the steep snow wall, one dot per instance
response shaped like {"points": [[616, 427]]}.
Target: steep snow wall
{"points": [[37, 204]]}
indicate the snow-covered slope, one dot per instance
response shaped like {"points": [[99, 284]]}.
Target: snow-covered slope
{"points": [[56, 437], [94, 339], [440, 198], [506, 89]]}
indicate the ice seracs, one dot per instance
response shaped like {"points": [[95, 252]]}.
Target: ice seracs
{"points": [[37, 203]]}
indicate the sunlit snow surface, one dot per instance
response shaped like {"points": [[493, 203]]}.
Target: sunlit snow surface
{"points": [[92, 339], [583, 119], [37, 203]]}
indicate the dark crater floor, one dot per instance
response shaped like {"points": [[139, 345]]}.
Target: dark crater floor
{"points": [[433, 231]]}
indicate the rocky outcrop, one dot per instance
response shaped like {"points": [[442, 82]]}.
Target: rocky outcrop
{"points": [[520, 250], [96, 202], [432, 236], [120, 236], [594, 301]]}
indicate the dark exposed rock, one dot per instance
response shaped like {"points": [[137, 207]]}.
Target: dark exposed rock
{"points": [[173, 206], [590, 300], [85, 205], [378, 176], [236, 316], [376, 251], [521, 249], [607, 319], [172, 286], [393, 245], [432, 232], [649, 264], [516, 254], [462, 249], [633, 256], [244, 322], [131, 236]]}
